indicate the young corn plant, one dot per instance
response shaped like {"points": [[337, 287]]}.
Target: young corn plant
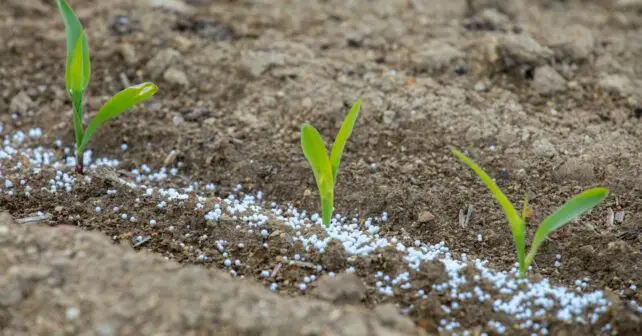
{"points": [[77, 73], [326, 168], [573, 208]]}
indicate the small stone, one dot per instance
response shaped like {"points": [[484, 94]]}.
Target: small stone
{"points": [[345, 288], [256, 63], [163, 60], [21, 103], [619, 216], [182, 43], [388, 117], [128, 53], [480, 87], [307, 103], [544, 148], [197, 114], [512, 8], [575, 169], [523, 49], [489, 19], [425, 217], [435, 57], [620, 84], [577, 42], [123, 25], [494, 18], [176, 76], [174, 6], [547, 81], [177, 119]]}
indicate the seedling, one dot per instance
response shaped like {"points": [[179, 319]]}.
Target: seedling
{"points": [[77, 73], [573, 208], [326, 168]]}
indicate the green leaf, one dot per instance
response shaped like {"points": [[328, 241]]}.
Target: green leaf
{"points": [[515, 220], [119, 103], [74, 29], [75, 74], [571, 209], [342, 138], [317, 156]]}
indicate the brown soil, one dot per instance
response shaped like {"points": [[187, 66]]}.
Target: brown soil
{"points": [[545, 96]]}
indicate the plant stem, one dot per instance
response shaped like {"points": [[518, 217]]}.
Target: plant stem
{"points": [[327, 207], [80, 165], [77, 117], [522, 271]]}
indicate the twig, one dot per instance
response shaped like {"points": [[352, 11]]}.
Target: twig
{"points": [[610, 216], [465, 219], [276, 270], [33, 219], [124, 80]]}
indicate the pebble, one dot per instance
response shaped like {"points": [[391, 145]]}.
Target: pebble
{"points": [[577, 43], [425, 217], [547, 81], [177, 6], [544, 148], [21, 103], [163, 60], [176, 76], [512, 8], [616, 83], [128, 53], [523, 49], [388, 117], [489, 19], [575, 169], [436, 56]]}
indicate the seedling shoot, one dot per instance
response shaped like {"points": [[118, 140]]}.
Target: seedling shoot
{"points": [[77, 74], [326, 168], [573, 208]]}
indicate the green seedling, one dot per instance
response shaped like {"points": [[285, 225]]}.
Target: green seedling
{"points": [[573, 208], [326, 168], [77, 73]]}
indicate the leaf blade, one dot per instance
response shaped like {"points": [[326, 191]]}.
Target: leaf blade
{"points": [[573, 208], [73, 30], [317, 156], [75, 73], [514, 219], [116, 105], [342, 138]]}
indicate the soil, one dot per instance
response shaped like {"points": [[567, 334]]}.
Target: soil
{"points": [[174, 299], [545, 95]]}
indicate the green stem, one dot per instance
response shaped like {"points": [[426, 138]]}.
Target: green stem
{"points": [[522, 270], [327, 207], [78, 117]]}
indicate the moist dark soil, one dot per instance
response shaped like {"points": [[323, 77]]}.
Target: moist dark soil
{"points": [[545, 95]]}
